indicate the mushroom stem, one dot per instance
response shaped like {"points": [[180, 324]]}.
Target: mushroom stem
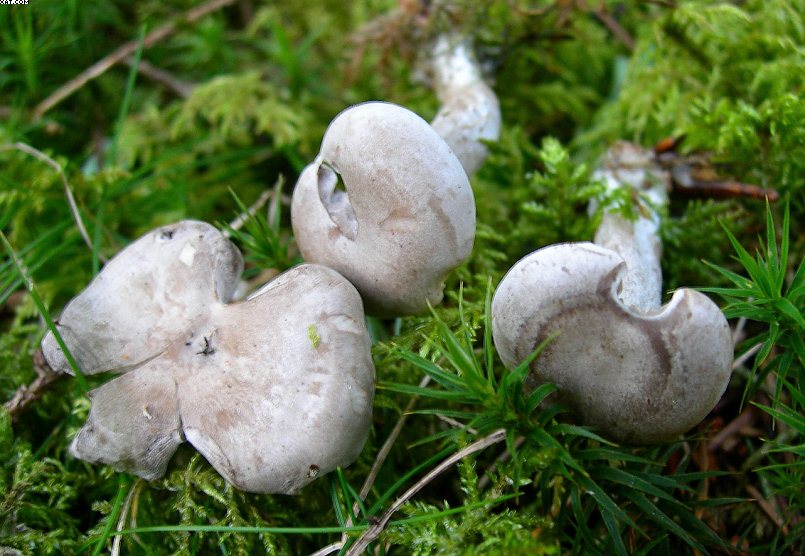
{"points": [[640, 372], [470, 112], [627, 165]]}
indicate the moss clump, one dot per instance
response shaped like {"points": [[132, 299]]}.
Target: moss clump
{"points": [[244, 98]]}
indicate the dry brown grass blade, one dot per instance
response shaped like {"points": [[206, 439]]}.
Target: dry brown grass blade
{"points": [[123, 52], [614, 27], [68, 192], [769, 508], [373, 472], [373, 532], [170, 81]]}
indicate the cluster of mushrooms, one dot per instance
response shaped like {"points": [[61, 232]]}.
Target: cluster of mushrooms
{"points": [[276, 390]]}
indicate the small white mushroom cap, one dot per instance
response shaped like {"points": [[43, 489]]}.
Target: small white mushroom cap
{"points": [[641, 377], [273, 391], [470, 112], [406, 219]]}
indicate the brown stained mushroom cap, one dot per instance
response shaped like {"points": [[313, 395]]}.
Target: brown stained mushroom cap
{"points": [[406, 219], [131, 311], [273, 391], [640, 377]]}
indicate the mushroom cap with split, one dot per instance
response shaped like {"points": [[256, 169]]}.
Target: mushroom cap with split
{"points": [[406, 217], [274, 391], [641, 377]]}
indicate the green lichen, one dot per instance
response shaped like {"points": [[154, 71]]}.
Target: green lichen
{"points": [[313, 336]]}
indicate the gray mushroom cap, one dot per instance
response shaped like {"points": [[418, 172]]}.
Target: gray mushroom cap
{"points": [[273, 391], [142, 300], [641, 377], [406, 219]]}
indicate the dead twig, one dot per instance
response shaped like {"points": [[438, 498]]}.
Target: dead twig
{"points": [[329, 549], [269, 194], [68, 192], [738, 333], [124, 513], [745, 419], [277, 198], [749, 353], [386, 448], [380, 459], [171, 82], [373, 532], [123, 52], [29, 393], [768, 508], [241, 218], [454, 423], [615, 27]]}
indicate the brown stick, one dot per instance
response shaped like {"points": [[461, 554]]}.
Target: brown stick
{"points": [[381, 458], [29, 393], [121, 53], [615, 28], [768, 508], [243, 217], [746, 417], [171, 82]]}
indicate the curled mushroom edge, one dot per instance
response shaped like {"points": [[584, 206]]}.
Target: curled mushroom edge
{"points": [[640, 378], [245, 383], [639, 371]]}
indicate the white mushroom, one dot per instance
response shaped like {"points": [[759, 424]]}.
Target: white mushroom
{"points": [[640, 372], [406, 217], [273, 391], [469, 113]]}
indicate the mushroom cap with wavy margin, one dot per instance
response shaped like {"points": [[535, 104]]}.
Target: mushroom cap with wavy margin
{"points": [[640, 377], [273, 391], [406, 219], [145, 297]]}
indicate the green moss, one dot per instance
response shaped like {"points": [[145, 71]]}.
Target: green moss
{"points": [[266, 80], [313, 336]]}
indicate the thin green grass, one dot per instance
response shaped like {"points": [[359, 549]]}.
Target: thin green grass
{"points": [[43, 311], [265, 83]]}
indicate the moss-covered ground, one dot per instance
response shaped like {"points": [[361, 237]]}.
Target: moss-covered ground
{"points": [[213, 103]]}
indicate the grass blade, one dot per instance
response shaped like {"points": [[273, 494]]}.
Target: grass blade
{"points": [[40, 306]]}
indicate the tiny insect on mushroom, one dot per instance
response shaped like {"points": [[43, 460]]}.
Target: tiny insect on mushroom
{"points": [[406, 217], [469, 111], [640, 372], [274, 391]]}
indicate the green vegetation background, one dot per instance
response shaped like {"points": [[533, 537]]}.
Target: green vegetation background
{"points": [[234, 102]]}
